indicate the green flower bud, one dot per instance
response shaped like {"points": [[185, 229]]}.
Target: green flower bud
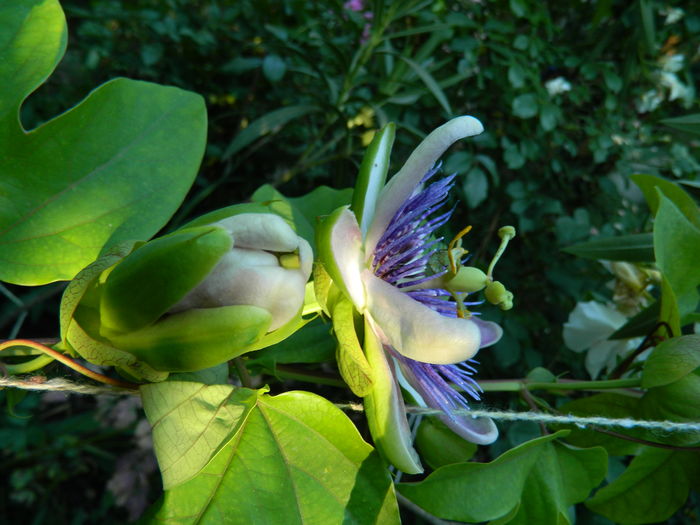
{"points": [[191, 299], [497, 294]]}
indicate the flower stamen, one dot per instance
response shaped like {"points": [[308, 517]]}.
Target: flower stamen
{"points": [[451, 247]]}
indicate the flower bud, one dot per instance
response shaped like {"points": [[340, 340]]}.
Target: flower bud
{"points": [[497, 294], [191, 299], [268, 266]]}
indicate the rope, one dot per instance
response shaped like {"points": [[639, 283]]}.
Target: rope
{"points": [[63, 385], [538, 417]]}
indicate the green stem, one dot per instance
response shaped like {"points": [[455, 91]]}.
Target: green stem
{"points": [[515, 385], [29, 366], [291, 372]]}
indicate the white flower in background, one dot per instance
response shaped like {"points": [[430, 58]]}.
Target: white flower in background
{"points": [[669, 87], [672, 14], [672, 63], [676, 88], [649, 101], [587, 330], [557, 86]]}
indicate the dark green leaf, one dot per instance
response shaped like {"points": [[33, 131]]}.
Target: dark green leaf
{"points": [[525, 106], [439, 446], [605, 405], [652, 488], [430, 83], [303, 211], [641, 324], [671, 360], [476, 187], [274, 68], [689, 123], [562, 476], [270, 123], [478, 491], [677, 401], [650, 184], [677, 250], [637, 247], [313, 344]]}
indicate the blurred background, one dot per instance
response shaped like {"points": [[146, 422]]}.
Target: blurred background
{"points": [[572, 95]]}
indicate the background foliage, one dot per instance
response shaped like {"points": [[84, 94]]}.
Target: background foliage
{"points": [[294, 88]]}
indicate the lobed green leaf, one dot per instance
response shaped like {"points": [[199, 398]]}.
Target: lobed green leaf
{"points": [[301, 457]]}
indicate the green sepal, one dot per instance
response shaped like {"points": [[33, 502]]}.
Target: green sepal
{"points": [[372, 175], [322, 286], [153, 278], [80, 337], [196, 339], [352, 363], [280, 334], [83, 284], [384, 408]]}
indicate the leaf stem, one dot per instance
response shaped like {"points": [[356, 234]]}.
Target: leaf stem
{"points": [[292, 372], [70, 363], [515, 385]]}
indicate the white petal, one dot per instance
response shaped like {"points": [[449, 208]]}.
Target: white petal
{"points": [[250, 277], [347, 256], [263, 231], [306, 256], [416, 331], [423, 158]]}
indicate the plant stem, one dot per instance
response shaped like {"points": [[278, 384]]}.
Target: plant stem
{"points": [[515, 385], [291, 372], [58, 356]]}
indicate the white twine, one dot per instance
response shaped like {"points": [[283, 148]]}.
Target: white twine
{"points": [[63, 385], [539, 417]]}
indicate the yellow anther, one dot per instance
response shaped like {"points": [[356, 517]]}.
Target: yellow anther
{"points": [[451, 246]]}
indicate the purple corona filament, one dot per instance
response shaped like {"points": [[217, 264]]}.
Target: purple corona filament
{"points": [[401, 258]]}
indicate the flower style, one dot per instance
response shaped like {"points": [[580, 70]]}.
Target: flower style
{"points": [[386, 260]]}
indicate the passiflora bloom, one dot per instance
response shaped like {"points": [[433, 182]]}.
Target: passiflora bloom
{"points": [[385, 258], [191, 299]]}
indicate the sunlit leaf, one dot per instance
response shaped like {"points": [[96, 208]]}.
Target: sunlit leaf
{"points": [[295, 459], [191, 423], [95, 175]]}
